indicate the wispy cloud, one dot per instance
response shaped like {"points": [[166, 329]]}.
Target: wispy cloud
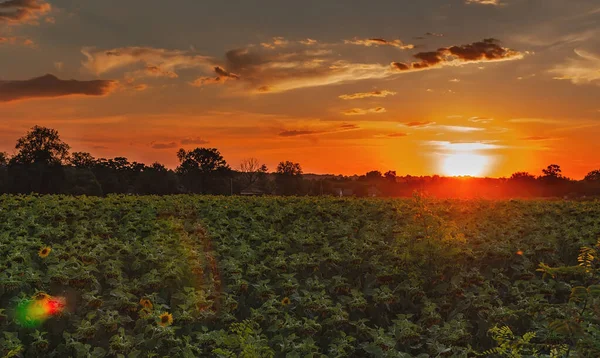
{"points": [[418, 124], [380, 42], [397, 135], [295, 133], [484, 2], [275, 43], [194, 140], [536, 138], [159, 145], [534, 120], [221, 77], [463, 146], [585, 69], [49, 86], [22, 11], [481, 119], [363, 111], [360, 95], [460, 129], [151, 62]]}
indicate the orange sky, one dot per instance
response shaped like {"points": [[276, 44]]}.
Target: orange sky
{"points": [[447, 87]]}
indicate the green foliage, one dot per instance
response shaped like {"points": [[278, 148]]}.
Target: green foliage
{"points": [[300, 277]]}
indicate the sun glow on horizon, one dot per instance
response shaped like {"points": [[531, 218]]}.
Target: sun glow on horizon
{"points": [[465, 164]]}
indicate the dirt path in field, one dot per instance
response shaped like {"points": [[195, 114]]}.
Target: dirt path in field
{"points": [[201, 259]]}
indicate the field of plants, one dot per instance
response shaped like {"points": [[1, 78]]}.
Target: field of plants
{"points": [[192, 276]]}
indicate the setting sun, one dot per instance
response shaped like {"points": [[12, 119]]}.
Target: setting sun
{"points": [[468, 164]]}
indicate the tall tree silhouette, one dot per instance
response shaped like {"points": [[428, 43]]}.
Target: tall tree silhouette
{"points": [[37, 165], [41, 145], [203, 170], [289, 178]]}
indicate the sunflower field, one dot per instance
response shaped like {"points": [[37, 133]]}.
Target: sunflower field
{"points": [[207, 276]]}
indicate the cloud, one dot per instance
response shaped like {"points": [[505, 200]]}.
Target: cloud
{"points": [[49, 86], [585, 69], [463, 146], [484, 2], [222, 77], [434, 34], [418, 124], [194, 140], [361, 111], [480, 119], [158, 145], [269, 72], [534, 120], [397, 135], [487, 50], [534, 138], [359, 95], [22, 11], [16, 40], [295, 133], [460, 129], [154, 62], [308, 42], [455, 80], [379, 42], [349, 126], [275, 43]]}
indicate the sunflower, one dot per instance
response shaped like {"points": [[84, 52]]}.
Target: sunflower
{"points": [[165, 319], [44, 252], [286, 301], [146, 303], [41, 296]]}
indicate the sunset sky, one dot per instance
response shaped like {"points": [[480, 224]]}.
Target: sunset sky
{"points": [[481, 87]]}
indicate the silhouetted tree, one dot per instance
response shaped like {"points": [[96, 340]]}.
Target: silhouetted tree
{"points": [[251, 171], [37, 165], [522, 177], [204, 170], [289, 178], [390, 175], [158, 180], [3, 159], [41, 145], [593, 176], [82, 160], [373, 175], [552, 171]]}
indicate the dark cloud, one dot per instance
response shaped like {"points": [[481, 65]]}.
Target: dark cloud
{"points": [[396, 135], [349, 126], [435, 34], [49, 86], [170, 145], [222, 77], [19, 11], [196, 140], [488, 50], [296, 133], [418, 124], [536, 138]]}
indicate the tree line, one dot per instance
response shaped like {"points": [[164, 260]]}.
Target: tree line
{"points": [[43, 164]]}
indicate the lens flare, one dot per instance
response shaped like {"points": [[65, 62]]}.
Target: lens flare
{"points": [[32, 313]]}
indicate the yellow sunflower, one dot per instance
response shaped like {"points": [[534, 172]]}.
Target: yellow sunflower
{"points": [[44, 252], [165, 319], [40, 296], [286, 301], [146, 303]]}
